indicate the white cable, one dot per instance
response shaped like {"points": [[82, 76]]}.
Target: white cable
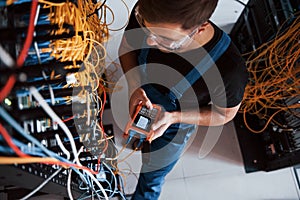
{"points": [[36, 48], [88, 181], [115, 178], [122, 195], [89, 196], [20, 130], [62, 147], [109, 188], [55, 118], [65, 151], [96, 193], [98, 184], [50, 89], [37, 15], [88, 109], [118, 153], [6, 58], [52, 95], [91, 176], [69, 176], [41, 185], [69, 185]]}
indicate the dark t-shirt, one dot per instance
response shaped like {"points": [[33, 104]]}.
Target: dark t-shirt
{"points": [[223, 84]]}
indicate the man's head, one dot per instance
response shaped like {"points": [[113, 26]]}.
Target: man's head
{"points": [[188, 13]]}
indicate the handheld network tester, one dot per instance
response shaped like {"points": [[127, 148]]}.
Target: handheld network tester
{"points": [[142, 121]]}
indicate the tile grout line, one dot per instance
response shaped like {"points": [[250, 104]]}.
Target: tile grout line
{"points": [[294, 175]]}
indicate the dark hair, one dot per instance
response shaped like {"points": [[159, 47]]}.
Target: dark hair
{"points": [[188, 13]]}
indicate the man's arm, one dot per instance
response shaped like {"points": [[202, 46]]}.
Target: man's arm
{"points": [[207, 116], [129, 62]]}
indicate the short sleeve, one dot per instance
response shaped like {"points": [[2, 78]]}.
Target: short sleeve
{"points": [[235, 77]]}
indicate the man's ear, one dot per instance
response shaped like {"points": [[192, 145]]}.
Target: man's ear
{"points": [[203, 27]]}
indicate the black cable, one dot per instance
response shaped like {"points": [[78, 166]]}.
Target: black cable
{"points": [[97, 9], [242, 3]]}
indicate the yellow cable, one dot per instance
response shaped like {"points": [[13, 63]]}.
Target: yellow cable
{"points": [[274, 76]]}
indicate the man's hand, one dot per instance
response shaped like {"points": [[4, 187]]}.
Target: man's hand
{"points": [[139, 96], [165, 120]]}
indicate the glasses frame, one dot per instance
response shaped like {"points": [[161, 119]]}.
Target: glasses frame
{"points": [[168, 44]]}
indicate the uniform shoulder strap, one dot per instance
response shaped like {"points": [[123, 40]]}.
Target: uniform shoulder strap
{"points": [[182, 86]]}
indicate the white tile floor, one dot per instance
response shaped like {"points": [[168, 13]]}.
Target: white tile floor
{"points": [[219, 175]]}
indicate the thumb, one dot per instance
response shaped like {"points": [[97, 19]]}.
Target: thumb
{"points": [[148, 103]]}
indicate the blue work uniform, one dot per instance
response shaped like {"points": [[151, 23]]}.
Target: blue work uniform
{"points": [[165, 151]]}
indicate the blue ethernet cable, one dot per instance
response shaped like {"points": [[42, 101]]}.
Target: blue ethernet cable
{"points": [[34, 151], [131, 135], [8, 150], [33, 59], [141, 140], [19, 129]]}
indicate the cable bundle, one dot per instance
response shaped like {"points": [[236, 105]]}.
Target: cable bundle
{"points": [[60, 53], [50, 99], [274, 77]]}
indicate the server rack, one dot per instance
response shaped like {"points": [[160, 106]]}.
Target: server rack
{"points": [[277, 147], [54, 79]]}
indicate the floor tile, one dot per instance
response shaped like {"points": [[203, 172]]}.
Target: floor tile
{"points": [[224, 156], [177, 172], [277, 185], [174, 189]]}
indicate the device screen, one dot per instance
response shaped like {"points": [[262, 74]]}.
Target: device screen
{"points": [[142, 122]]}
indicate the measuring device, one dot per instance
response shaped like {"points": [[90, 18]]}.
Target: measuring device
{"points": [[143, 118]]}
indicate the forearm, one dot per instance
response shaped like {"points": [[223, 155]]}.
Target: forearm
{"points": [[205, 116], [129, 64]]}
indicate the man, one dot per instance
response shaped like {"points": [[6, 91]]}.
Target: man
{"points": [[202, 82]]}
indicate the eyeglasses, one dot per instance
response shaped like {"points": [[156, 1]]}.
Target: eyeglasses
{"points": [[166, 43]]}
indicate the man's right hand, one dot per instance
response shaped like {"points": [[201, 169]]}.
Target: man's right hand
{"points": [[139, 96]]}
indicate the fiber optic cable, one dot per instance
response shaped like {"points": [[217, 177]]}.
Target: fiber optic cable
{"points": [[274, 76]]}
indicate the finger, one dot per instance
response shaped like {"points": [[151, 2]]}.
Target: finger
{"points": [[133, 107], [131, 110], [162, 120], [159, 132], [156, 125], [140, 95], [148, 104], [146, 100]]}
